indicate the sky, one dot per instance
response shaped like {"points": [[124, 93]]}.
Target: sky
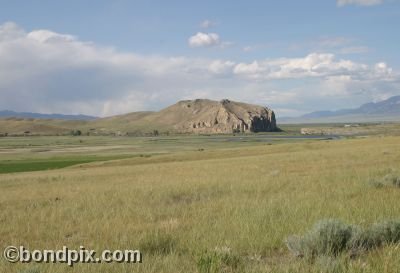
{"points": [[105, 58]]}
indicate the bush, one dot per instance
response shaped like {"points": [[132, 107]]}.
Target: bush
{"points": [[387, 232], [391, 179], [327, 237], [219, 260], [332, 237], [361, 240], [76, 132]]}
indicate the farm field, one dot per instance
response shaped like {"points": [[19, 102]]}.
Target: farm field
{"points": [[195, 203]]}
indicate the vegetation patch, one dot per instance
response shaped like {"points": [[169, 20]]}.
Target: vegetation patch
{"points": [[391, 179], [329, 264], [332, 237], [29, 165], [157, 243], [219, 260]]}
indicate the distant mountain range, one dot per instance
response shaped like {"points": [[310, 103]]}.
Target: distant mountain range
{"points": [[386, 110], [9, 114], [198, 116], [387, 107]]}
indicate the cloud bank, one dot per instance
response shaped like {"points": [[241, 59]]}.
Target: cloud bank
{"points": [[341, 3], [45, 71]]}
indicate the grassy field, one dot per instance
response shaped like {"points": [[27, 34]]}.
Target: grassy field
{"points": [[188, 202]]}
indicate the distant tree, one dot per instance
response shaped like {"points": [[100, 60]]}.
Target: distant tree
{"points": [[156, 133], [76, 132]]}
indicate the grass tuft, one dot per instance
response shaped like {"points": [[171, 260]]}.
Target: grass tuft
{"points": [[219, 260], [328, 264], [157, 243]]}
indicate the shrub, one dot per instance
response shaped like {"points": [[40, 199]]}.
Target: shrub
{"points": [[76, 132], [376, 183], [331, 237], [327, 237], [391, 179], [219, 260], [377, 235], [387, 232], [361, 240]]}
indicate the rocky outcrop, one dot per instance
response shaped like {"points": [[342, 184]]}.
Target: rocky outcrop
{"points": [[199, 116], [207, 116]]}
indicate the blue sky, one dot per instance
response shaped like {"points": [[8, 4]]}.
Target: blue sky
{"points": [[110, 57]]}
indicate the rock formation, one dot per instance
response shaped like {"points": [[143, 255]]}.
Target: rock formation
{"points": [[207, 116]]}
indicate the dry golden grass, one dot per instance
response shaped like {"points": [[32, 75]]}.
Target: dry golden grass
{"points": [[246, 199]]}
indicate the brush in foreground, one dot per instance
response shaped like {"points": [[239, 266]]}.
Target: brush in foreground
{"points": [[332, 237]]}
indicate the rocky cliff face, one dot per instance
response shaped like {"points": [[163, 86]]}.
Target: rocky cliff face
{"points": [[207, 116]]}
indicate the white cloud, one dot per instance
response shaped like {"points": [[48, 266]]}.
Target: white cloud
{"points": [[313, 65], [45, 71], [221, 67], [204, 40], [45, 36], [10, 31], [341, 3], [207, 24], [252, 70], [382, 70]]}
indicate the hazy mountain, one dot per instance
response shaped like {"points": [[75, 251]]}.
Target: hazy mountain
{"points": [[8, 114], [388, 107], [386, 110]]}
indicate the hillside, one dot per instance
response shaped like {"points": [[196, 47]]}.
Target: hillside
{"points": [[189, 116]]}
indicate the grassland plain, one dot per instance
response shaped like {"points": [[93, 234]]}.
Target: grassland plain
{"points": [[177, 206]]}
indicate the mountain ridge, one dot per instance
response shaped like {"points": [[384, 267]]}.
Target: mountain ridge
{"points": [[385, 110], [11, 114], [388, 106]]}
